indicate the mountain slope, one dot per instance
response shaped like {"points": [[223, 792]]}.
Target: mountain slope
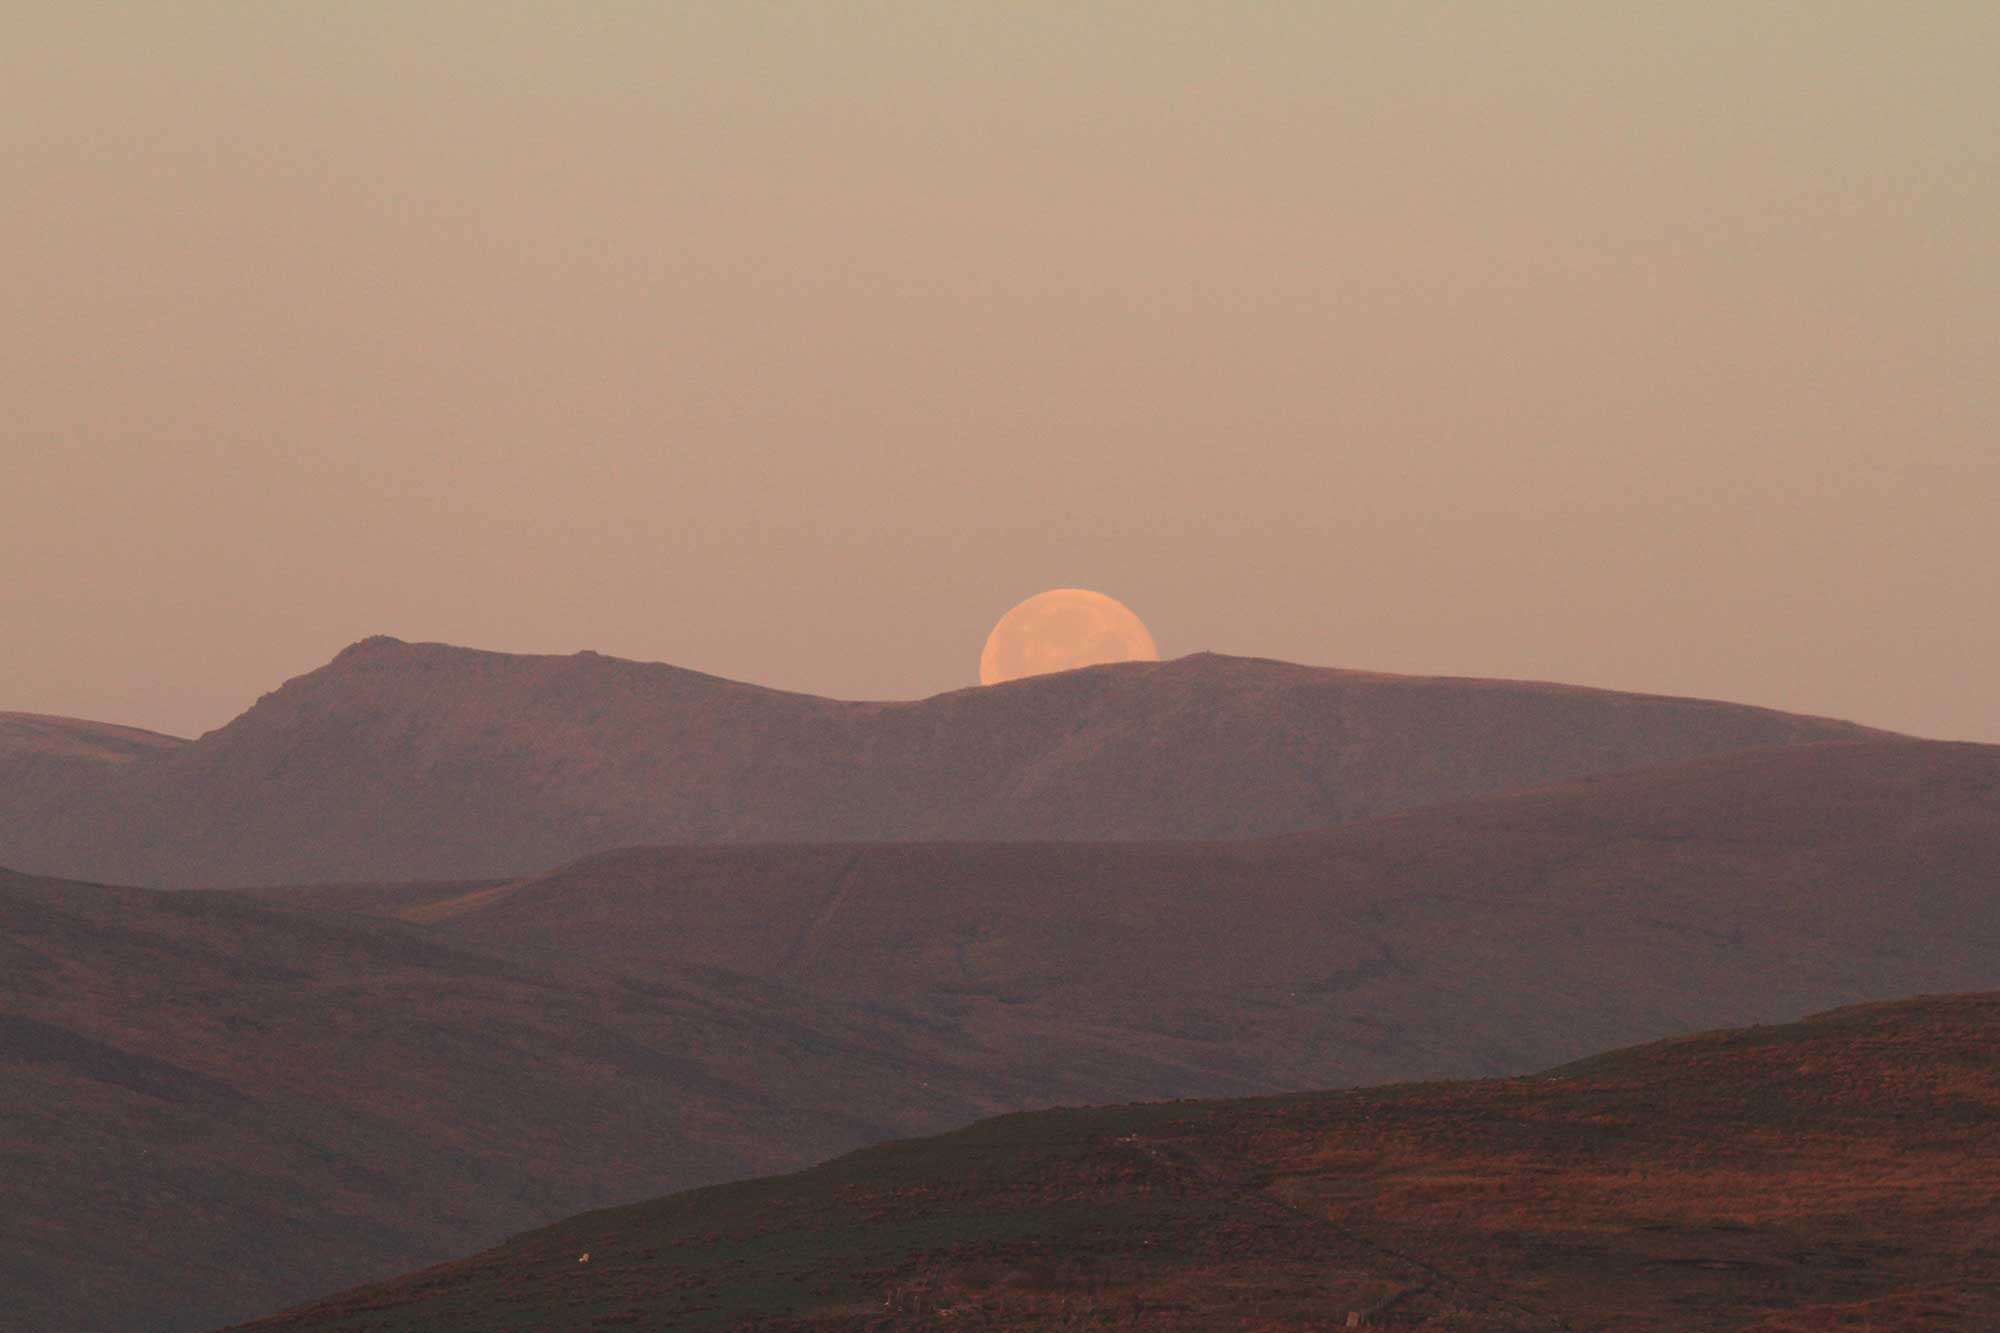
{"points": [[1833, 1173], [23, 734], [494, 1053], [210, 1105], [54, 769], [401, 761], [1489, 937]]}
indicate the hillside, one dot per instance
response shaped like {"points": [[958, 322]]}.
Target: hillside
{"points": [[409, 761], [1489, 937], [23, 734], [308, 1101], [1837, 1173], [54, 769], [438, 1064]]}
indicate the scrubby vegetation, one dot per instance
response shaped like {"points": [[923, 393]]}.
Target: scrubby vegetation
{"points": [[1831, 1174]]}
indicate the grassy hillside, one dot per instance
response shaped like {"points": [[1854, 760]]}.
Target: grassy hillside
{"points": [[1837, 1173]]}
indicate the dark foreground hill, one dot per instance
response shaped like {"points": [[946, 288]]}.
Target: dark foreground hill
{"points": [[1837, 1173], [399, 761], [219, 1102]]}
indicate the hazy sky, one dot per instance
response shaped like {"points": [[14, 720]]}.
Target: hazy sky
{"points": [[1648, 346]]}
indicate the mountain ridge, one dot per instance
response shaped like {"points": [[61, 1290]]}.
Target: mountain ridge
{"points": [[425, 761], [50, 733]]}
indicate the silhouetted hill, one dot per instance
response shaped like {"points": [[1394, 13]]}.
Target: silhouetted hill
{"points": [[74, 738], [1837, 1173], [53, 770], [404, 760]]}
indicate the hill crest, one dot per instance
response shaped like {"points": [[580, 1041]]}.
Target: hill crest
{"points": [[412, 761]]}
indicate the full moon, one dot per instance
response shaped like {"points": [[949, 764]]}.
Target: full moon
{"points": [[1061, 629]]}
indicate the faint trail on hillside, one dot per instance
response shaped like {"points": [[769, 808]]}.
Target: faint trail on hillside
{"points": [[836, 895]]}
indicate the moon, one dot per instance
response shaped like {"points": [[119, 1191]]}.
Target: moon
{"points": [[1061, 629]]}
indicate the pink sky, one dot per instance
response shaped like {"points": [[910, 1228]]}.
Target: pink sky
{"points": [[1653, 350]]}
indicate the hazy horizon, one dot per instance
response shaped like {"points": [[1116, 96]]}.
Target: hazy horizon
{"points": [[1644, 350]]}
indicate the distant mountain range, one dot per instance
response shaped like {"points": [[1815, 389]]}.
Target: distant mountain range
{"points": [[1837, 1173], [325, 1084], [399, 761]]}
